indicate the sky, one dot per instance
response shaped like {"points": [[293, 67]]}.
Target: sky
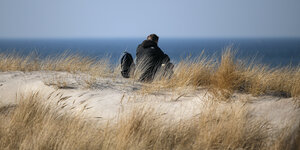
{"points": [[138, 18]]}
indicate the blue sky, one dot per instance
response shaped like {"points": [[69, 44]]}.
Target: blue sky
{"points": [[137, 18]]}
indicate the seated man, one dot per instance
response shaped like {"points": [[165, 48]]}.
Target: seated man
{"points": [[150, 59]]}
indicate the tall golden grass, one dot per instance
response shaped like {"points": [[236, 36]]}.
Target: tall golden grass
{"points": [[230, 75], [73, 63], [34, 124], [222, 78]]}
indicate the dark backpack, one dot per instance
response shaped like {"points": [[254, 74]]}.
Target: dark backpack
{"points": [[126, 64]]}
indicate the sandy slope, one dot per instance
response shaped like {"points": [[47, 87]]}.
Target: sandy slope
{"points": [[107, 98]]}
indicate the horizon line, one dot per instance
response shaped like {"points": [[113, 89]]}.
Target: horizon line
{"points": [[137, 37]]}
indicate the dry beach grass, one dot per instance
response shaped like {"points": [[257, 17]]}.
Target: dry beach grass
{"points": [[223, 77], [37, 121], [34, 124], [230, 75], [66, 62]]}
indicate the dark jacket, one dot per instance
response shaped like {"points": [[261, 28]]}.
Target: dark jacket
{"points": [[149, 58]]}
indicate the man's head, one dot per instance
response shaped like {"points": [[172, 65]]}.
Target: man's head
{"points": [[153, 37]]}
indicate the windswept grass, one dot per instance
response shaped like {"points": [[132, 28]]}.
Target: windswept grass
{"points": [[34, 124], [195, 72], [222, 77], [230, 75], [73, 63], [16, 62]]}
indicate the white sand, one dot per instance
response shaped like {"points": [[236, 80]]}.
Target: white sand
{"points": [[109, 98]]}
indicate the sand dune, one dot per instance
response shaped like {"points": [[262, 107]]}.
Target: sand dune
{"points": [[110, 97]]}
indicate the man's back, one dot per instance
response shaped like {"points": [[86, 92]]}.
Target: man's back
{"points": [[149, 58], [149, 50]]}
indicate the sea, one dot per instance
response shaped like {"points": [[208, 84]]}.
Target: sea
{"points": [[274, 52]]}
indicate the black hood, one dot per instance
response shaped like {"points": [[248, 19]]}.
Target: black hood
{"points": [[149, 43]]}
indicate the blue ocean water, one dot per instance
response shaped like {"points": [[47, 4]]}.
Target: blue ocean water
{"points": [[273, 52]]}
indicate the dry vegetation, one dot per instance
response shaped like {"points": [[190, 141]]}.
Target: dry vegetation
{"points": [[72, 63], [222, 78], [229, 75], [34, 124]]}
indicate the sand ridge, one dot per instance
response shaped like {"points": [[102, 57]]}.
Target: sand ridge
{"points": [[110, 97]]}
